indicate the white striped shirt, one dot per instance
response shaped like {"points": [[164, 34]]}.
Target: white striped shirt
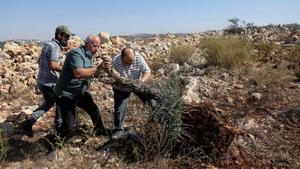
{"points": [[133, 71]]}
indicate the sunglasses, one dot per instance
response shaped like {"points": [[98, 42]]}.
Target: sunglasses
{"points": [[64, 35]]}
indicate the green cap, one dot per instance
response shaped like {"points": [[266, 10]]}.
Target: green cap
{"points": [[63, 29]]}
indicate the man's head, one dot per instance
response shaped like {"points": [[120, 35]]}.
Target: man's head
{"points": [[92, 44], [128, 56], [62, 34]]}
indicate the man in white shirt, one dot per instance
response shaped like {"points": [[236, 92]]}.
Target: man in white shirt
{"points": [[130, 66]]}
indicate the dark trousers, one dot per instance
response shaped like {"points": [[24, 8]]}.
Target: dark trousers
{"points": [[121, 100], [67, 106], [49, 100]]}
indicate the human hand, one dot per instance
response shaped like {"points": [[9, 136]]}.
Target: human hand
{"points": [[106, 64]]}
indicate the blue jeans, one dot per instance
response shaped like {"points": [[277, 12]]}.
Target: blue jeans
{"points": [[121, 100], [49, 100]]}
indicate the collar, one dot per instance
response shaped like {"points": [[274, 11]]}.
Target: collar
{"points": [[56, 41], [87, 53]]}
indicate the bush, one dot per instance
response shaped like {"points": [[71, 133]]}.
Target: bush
{"points": [[168, 112], [163, 129], [269, 52], [235, 27], [158, 62], [270, 76], [181, 54], [294, 53], [3, 145], [227, 52], [294, 57]]}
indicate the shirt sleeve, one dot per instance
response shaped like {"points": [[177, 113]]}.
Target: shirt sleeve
{"points": [[144, 66], [54, 54], [75, 60], [114, 61]]}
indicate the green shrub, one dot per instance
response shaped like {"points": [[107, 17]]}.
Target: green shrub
{"points": [[227, 52], [3, 144], [168, 111], [294, 53], [181, 54], [236, 27], [270, 76], [269, 52], [163, 129], [158, 62], [294, 57]]}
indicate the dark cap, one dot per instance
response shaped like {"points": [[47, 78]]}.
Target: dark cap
{"points": [[63, 29]]}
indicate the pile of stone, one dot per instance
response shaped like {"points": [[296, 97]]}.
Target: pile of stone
{"points": [[281, 34], [74, 42], [16, 51], [19, 61]]}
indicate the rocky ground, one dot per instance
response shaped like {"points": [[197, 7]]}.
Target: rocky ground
{"points": [[262, 113]]}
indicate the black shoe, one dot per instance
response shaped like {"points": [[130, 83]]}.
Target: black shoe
{"points": [[101, 132], [26, 127], [117, 135], [58, 127]]}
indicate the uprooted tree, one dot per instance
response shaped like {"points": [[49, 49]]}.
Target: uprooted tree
{"points": [[174, 128]]}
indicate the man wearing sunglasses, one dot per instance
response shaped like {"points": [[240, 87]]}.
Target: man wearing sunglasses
{"points": [[49, 69], [73, 84]]}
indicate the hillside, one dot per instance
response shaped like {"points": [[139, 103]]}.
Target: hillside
{"points": [[238, 94]]}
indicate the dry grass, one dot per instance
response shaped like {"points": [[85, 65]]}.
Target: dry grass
{"points": [[269, 75], [269, 52], [294, 57], [294, 53], [158, 62], [227, 52], [181, 54]]}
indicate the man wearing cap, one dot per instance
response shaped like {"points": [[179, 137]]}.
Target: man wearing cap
{"points": [[49, 69], [73, 84]]}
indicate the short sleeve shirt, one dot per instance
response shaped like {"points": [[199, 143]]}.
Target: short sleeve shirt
{"points": [[51, 51], [67, 83], [133, 71]]}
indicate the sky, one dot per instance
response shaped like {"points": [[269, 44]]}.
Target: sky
{"points": [[37, 19]]}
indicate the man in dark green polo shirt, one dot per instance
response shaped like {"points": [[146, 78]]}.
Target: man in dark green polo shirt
{"points": [[72, 86]]}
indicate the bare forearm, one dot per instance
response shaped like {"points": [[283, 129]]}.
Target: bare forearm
{"points": [[146, 77], [83, 73], [55, 66]]}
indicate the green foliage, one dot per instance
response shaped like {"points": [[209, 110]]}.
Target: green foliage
{"points": [[158, 62], [168, 112], [178, 54], [2, 44], [294, 57], [270, 76], [163, 129], [269, 52], [181, 54], [294, 53], [3, 145], [235, 27], [227, 52]]}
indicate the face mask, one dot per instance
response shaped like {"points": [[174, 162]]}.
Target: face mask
{"points": [[89, 53], [64, 40], [63, 43]]}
